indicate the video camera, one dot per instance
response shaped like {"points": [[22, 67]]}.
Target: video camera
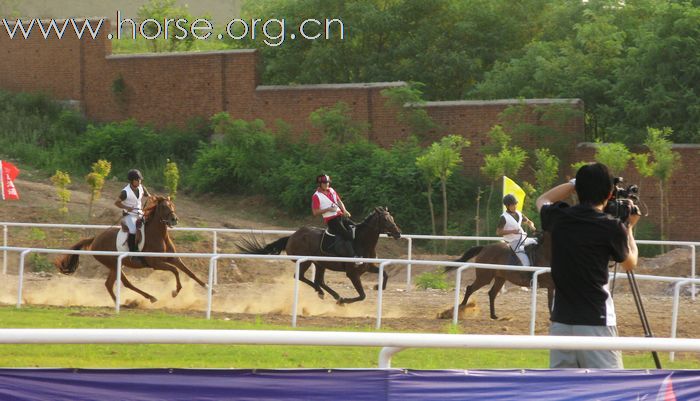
{"points": [[623, 202]]}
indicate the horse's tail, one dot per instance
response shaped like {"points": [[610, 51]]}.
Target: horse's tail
{"points": [[470, 253], [252, 246], [67, 264]]}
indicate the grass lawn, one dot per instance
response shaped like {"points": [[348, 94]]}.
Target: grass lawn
{"points": [[244, 356]]}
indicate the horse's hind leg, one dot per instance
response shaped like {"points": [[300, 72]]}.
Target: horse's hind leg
{"points": [[132, 287], [493, 292], [357, 283], [303, 267], [482, 278], [177, 262], [320, 280]]}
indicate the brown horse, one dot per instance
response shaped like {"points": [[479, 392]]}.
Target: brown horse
{"points": [[501, 253], [307, 242], [159, 215]]}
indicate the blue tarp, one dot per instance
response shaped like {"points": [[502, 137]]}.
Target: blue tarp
{"points": [[348, 384]]}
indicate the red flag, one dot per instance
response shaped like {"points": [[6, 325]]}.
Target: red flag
{"points": [[8, 172]]}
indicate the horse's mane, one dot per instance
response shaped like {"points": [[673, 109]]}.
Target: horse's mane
{"points": [[152, 204], [369, 216]]}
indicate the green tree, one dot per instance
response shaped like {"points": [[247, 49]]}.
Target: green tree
{"points": [[614, 155], [159, 10], [337, 124], [172, 178], [409, 101], [661, 161], [60, 181], [96, 181], [439, 162], [508, 160], [546, 169]]}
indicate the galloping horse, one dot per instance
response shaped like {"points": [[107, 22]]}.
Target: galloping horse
{"points": [[159, 215], [501, 254], [306, 241]]}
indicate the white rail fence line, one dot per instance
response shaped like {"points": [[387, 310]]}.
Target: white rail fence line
{"points": [[462, 266], [391, 343], [408, 237]]}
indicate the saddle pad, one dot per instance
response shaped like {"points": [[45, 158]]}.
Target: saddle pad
{"points": [[327, 241], [123, 246]]}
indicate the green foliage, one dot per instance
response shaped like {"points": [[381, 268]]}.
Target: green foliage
{"points": [[36, 234], [408, 100], [40, 263], [546, 169], [337, 124], [60, 181], [191, 237], [614, 155], [172, 178], [436, 280], [96, 181], [159, 10]]}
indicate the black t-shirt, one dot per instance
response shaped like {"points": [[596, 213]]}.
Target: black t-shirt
{"points": [[583, 242]]}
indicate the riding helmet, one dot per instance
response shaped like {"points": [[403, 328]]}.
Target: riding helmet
{"points": [[323, 178], [134, 175]]}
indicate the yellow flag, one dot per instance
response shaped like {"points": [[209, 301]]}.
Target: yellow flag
{"points": [[510, 187]]}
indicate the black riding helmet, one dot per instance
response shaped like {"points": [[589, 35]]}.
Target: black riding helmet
{"points": [[510, 199], [134, 175]]}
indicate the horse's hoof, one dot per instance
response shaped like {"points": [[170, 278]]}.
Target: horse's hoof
{"points": [[175, 292], [494, 317], [320, 295], [376, 287], [153, 299], [340, 301]]}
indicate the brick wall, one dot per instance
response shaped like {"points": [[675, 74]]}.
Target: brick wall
{"points": [[165, 89]]}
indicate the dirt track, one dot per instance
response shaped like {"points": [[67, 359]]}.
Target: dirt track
{"points": [[255, 289]]}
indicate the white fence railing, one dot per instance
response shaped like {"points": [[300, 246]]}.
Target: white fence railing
{"points": [[408, 237], [391, 343], [462, 266]]}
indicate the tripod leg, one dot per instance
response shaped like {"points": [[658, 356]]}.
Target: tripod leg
{"points": [[642, 314]]}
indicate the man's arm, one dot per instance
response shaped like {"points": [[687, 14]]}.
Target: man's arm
{"points": [[342, 208], [529, 223], [632, 252], [556, 194]]}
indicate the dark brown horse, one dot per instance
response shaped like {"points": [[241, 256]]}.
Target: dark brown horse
{"points": [[306, 241], [500, 253], [160, 214]]}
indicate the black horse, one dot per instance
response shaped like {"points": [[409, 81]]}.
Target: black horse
{"points": [[307, 242]]}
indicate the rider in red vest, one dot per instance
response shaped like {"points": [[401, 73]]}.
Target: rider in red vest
{"points": [[327, 203]]}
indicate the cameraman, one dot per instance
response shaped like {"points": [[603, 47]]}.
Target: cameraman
{"points": [[584, 239]]}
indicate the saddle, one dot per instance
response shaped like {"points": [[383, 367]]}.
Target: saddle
{"points": [[334, 245], [531, 250]]}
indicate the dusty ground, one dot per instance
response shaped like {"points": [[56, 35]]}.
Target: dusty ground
{"points": [[250, 290]]}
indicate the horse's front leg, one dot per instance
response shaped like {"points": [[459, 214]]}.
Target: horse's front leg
{"points": [[373, 268], [493, 292], [177, 262], [320, 281], [354, 277], [160, 264]]}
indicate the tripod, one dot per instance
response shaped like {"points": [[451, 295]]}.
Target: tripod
{"points": [[640, 309]]}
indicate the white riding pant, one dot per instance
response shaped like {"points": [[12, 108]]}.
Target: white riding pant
{"points": [[130, 221], [520, 251]]}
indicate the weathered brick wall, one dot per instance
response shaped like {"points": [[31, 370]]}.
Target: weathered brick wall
{"points": [[165, 89]]}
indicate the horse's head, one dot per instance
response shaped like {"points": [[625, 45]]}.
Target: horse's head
{"points": [[162, 209], [385, 223]]}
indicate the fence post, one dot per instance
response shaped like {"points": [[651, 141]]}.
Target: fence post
{"points": [[380, 284], [210, 282], [692, 271], [458, 284], [533, 300], [408, 267], [21, 276], [4, 252], [674, 318], [216, 261], [119, 282], [295, 304]]}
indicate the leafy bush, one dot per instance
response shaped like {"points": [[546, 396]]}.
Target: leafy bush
{"points": [[434, 280]]}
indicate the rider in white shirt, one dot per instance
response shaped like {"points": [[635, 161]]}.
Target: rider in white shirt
{"points": [[130, 202], [510, 227]]}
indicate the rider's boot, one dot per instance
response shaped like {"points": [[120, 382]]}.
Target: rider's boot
{"points": [[134, 248]]}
